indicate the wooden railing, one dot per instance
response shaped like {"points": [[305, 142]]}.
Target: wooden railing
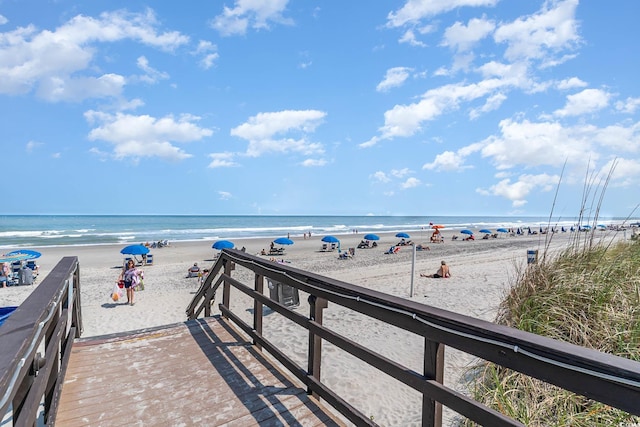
{"points": [[612, 380], [35, 344]]}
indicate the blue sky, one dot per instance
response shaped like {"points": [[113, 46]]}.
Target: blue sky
{"points": [[275, 107]]}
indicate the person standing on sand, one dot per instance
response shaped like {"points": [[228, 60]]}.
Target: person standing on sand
{"points": [[131, 276], [443, 271]]}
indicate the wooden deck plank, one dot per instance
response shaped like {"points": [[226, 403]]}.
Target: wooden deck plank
{"points": [[194, 373]]}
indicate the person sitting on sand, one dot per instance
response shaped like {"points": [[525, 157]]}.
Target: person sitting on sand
{"points": [[194, 270], [443, 271]]}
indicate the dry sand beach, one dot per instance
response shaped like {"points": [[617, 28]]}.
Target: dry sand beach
{"points": [[481, 271]]}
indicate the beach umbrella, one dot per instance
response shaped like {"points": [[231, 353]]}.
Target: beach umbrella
{"points": [[403, 235], [586, 227], [14, 258], [283, 241], [484, 230], [330, 239], [465, 231], [437, 226], [223, 244], [135, 250], [24, 252], [371, 237], [602, 226], [502, 230]]}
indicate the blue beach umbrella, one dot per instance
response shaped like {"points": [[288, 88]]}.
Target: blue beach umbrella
{"points": [[330, 239], [371, 237], [14, 258], [28, 254], [135, 250], [283, 241], [586, 227], [485, 231], [403, 235], [223, 244], [465, 231], [502, 230]]}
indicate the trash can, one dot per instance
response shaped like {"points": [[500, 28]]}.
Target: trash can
{"points": [[286, 295], [532, 256]]}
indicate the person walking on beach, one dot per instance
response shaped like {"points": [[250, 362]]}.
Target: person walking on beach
{"points": [[443, 271], [131, 276]]}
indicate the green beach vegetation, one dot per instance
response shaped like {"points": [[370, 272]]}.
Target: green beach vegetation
{"points": [[588, 295]]}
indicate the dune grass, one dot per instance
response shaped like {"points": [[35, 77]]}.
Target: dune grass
{"points": [[588, 295]]}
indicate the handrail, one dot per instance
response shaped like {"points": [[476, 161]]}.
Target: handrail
{"points": [[602, 377], [50, 316]]}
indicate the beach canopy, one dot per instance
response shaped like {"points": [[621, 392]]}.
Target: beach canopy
{"points": [[465, 231], [223, 244], [371, 237], [283, 241], [330, 239], [403, 235], [502, 230], [486, 231], [135, 250]]}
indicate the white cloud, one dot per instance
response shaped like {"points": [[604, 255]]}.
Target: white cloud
{"points": [[629, 105], [406, 120], [267, 132], [571, 83], [145, 136], [534, 144], [256, 14], [209, 54], [537, 36], [415, 10], [222, 160], [395, 77], [380, 177], [151, 75], [462, 38], [625, 174], [410, 38], [314, 162], [493, 103], [53, 62], [3, 20], [447, 161], [224, 195], [410, 183], [518, 191], [587, 101], [32, 145], [400, 173]]}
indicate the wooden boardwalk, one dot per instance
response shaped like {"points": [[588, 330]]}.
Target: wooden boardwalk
{"points": [[195, 373]]}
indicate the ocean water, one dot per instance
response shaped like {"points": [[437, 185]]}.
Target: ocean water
{"points": [[17, 231]]}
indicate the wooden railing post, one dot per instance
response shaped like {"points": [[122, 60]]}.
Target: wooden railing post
{"points": [[226, 288], [433, 369], [316, 305], [257, 308], [76, 316]]}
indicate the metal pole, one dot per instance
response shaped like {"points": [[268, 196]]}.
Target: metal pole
{"points": [[413, 268]]}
